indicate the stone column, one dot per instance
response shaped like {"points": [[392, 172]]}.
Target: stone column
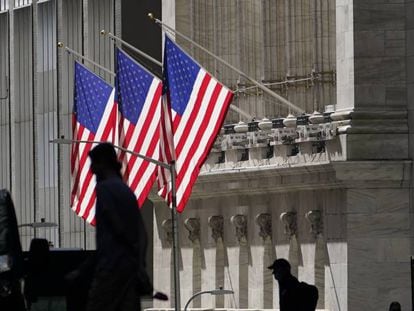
{"points": [[372, 67], [240, 225], [378, 234], [345, 54], [375, 66], [264, 221], [193, 227], [315, 219], [168, 12], [167, 257], [290, 222], [217, 231]]}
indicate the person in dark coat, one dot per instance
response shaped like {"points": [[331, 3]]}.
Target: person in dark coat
{"points": [[11, 257], [293, 295], [121, 239]]}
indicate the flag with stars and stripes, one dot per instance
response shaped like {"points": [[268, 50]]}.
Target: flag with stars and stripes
{"points": [[139, 98], [196, 106], [94, 119]]}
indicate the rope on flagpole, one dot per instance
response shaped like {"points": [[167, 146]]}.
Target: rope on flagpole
{"points": [[115, 38], [70, 51], [138, 51], [169, 29]]}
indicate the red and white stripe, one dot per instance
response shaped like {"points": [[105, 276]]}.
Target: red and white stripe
{"points": [[195, 132], [167, 152], [142, 138], [83, 195]]}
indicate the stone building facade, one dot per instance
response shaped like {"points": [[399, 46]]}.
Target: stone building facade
{"points": [[332, 193]]}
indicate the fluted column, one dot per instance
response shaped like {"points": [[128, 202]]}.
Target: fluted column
{"points": [[316, 221], [264, 221], [289, 220], [217, 231], [240, 224], [193, 227], [168, 240]]}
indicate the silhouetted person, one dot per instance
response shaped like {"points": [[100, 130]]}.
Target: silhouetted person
{"points": [[395, 306], [293, 295], [11, 258], [121, 239], [37, 265]]}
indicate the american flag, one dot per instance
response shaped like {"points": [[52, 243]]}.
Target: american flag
{"points": [[94, 118], [139, 97], [198, 104]]}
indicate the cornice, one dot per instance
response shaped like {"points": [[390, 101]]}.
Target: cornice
{"points": [[336, 175]]}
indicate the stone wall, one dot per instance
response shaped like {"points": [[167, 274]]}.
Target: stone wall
{"points": [[352, 169], [279, 191], [287, 45]]}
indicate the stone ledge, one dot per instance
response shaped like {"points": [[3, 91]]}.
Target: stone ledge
{"points": [[337, 136], [276, 178], [218, 309]]}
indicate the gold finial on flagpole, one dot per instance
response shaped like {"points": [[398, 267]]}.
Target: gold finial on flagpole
{"points": [[151, 16], [60, 44]]}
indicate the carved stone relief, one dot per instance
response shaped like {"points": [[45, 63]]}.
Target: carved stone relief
{"points": [[289, 221], [193, 227], [264, 221], [216, 225], [240, 223], [168, 234]]}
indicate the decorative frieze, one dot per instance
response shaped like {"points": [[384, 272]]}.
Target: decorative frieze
{"points": [[240, 224], [193, 227], [264, 221], [216, 225], [280, 141], [289, 221]]}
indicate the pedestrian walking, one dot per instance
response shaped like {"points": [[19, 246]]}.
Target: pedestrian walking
{"points": [[293, 295], [121, 239]]}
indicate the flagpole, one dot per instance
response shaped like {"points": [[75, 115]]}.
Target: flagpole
{"points": [[138, 51], [174, 219], [258, 84], [64, 141], [70, 51]]}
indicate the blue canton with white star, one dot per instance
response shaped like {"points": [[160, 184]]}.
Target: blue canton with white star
{"points": [[180, 73], [133, 84], [91, 97]]}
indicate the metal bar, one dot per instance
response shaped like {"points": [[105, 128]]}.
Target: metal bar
{"points": [[167, 28], [73, 141], [115, 38], [174, 216], [70, 51], [241, 112]]}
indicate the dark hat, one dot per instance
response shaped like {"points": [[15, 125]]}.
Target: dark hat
{"points": [[105, 153], [281, 263]]}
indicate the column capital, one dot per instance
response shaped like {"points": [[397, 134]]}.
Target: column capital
{"points": [[240, 223], [264, 221], [193, 227]]}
